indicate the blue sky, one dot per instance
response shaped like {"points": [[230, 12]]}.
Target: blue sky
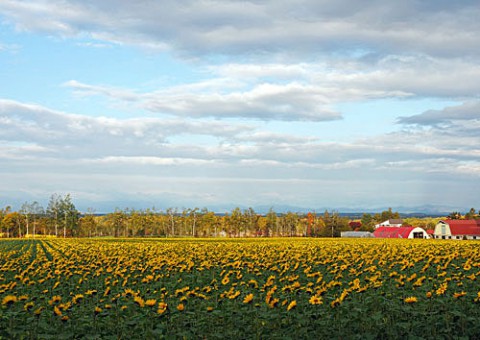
{"points": [[309, 104]]}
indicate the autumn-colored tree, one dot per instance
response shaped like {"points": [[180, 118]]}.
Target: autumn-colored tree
{"points": [[262, 226], [3, 213], [88, 225], [310, 222], [236, 222], [208, 223], [12, 223]]}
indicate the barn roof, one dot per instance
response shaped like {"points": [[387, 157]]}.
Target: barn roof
{"points": [[463, 227], [389, 232]]}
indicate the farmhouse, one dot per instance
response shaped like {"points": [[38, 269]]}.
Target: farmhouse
{"points": [[390, 223], [400, 232], [457, 230]]}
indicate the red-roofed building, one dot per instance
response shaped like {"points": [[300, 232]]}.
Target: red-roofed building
{"points": [[400, 232], [458, 230]]}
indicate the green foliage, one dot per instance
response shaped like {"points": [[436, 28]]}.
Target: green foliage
{"points": [[472, 214], [63, 214], [368, 222], [386, 215]]}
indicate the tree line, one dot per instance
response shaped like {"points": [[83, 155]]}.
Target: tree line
{"points": [[61, 219]]}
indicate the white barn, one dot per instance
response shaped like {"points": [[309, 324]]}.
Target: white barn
{"points": [[457, 230]]}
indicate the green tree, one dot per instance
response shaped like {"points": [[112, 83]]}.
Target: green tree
{"points": [[386, 215], [87, 224], [368, 223], [471, 215], [271, 225], [250, 221], [54, 209], [70, 216], [319, 228], [334, 224], [62, 212], [171, 212], [455, 215], [37, 213]]}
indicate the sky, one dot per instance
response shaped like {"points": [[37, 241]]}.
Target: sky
{"points": [[312, 104]]}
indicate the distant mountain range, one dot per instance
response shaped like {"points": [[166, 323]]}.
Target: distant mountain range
{"points": [[405, 211], [417, 211]]}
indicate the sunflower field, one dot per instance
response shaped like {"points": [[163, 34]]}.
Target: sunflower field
{"points": [[239, 288]]}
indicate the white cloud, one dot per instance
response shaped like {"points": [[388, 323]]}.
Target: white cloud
{"points": [[468, 111], [298, 92], [89, 90], [10, 48], [56, 130], [157, 161], [267, 101], [251, 27]]}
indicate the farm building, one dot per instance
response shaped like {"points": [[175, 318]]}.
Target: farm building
{"points": [[457, 230], [400, 232], [361, 234], [390, 223]]}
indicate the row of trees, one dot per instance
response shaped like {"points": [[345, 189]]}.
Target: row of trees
{"points": [[471, 214], [62, 219]]}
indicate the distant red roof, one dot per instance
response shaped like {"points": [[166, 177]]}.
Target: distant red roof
{"points": [[430, 231], [393, 232], [464, 227]]}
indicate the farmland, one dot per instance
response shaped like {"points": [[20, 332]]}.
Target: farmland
{"points": [[240, 288]]}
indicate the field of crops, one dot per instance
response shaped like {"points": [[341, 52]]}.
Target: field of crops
{"points": [[238, 288]]}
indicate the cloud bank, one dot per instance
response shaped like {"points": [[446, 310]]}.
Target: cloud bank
{"points": [[254, 125], [231, 27]]}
